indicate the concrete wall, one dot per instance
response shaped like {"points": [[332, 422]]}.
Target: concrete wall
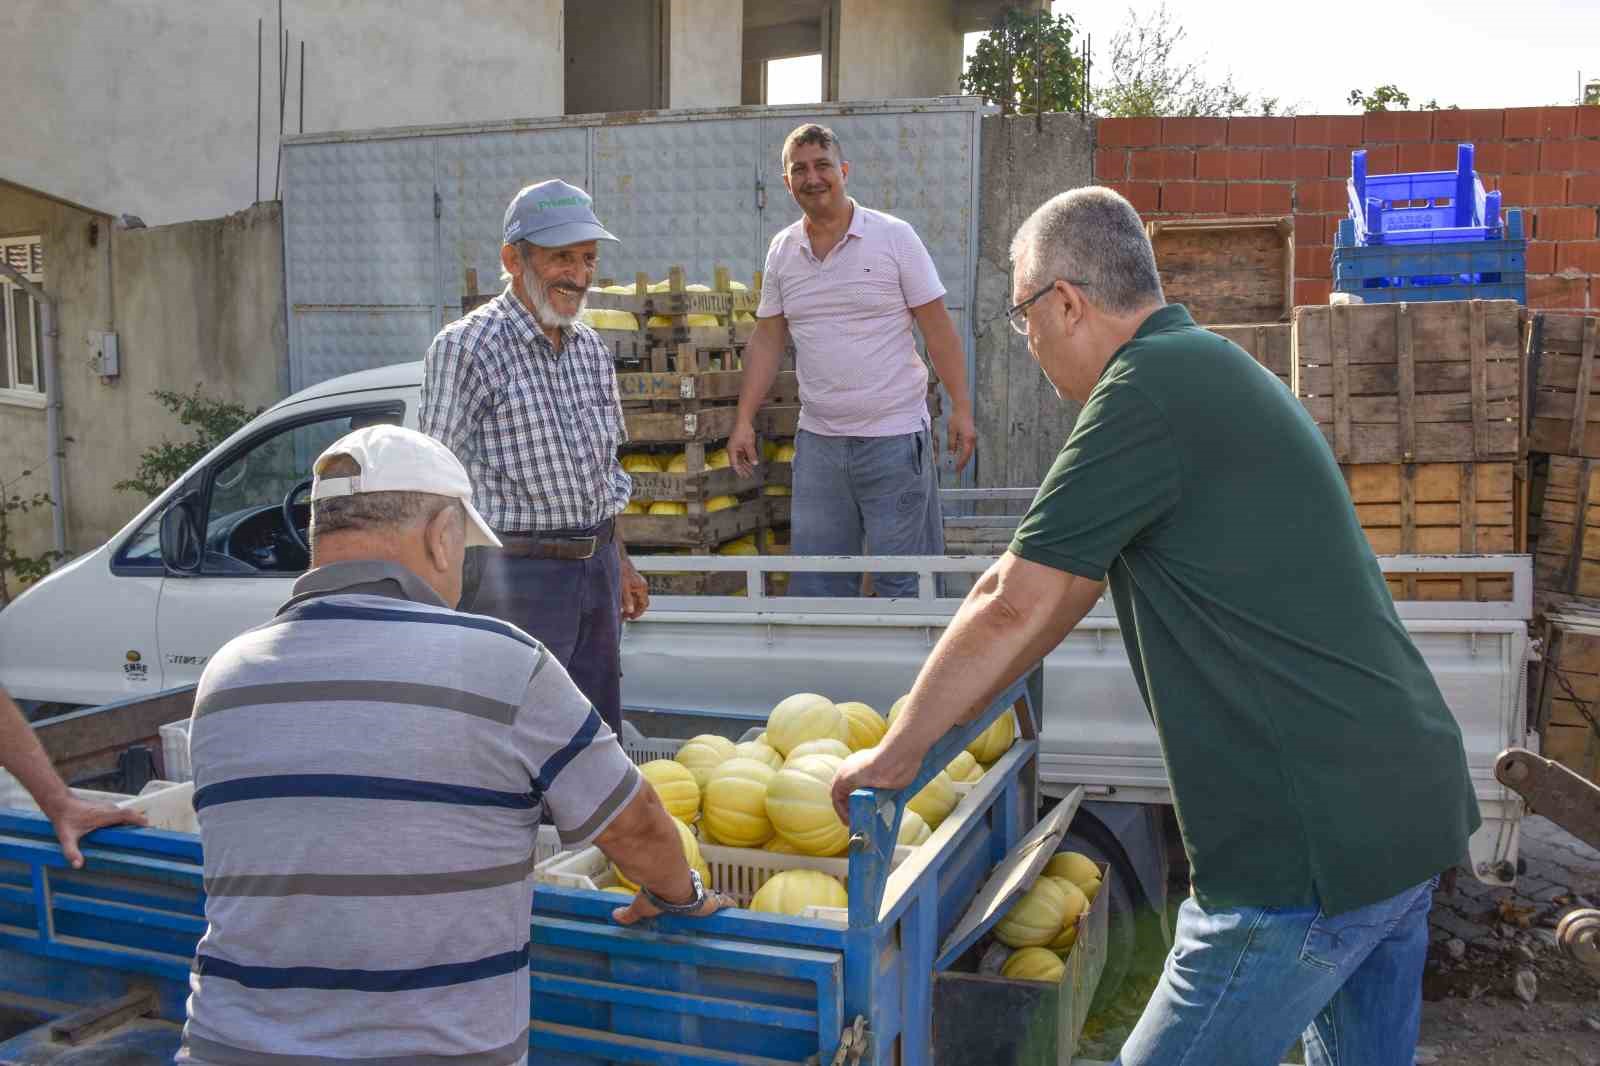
{"points": [[706, 53], [149, 106], [613, 63], [1021, 422], [896, 48], [193, 303]]}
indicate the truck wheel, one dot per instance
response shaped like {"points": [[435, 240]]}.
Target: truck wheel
{"points": [[1121, 929]]}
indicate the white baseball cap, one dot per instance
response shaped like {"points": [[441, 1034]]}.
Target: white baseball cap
{"points": [[396, 459]]}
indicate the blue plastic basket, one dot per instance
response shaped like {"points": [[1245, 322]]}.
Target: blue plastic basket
{"points": [[1461, 270], [1425, 207]]}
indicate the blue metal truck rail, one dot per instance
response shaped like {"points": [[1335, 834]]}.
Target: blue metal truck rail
{"points": [[738, 987]]}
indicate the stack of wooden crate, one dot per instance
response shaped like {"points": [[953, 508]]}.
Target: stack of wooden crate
{"points": [[1421, 405], [679, 374], [1564, 457]]}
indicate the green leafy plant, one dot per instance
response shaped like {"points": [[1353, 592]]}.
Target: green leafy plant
{"points": [[1385, 97], [1027, 64], [1148, 77], [25, 568], [212, 421]]}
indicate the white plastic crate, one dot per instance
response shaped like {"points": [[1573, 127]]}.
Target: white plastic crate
{"points": [[547, 845], [175, 751], [739, 872], [642, 749], [13, 795], [167, 808]]}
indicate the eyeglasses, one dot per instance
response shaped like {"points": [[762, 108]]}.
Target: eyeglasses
{"points": [[1018, 315]]}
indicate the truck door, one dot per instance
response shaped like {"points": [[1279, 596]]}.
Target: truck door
{"points": [[252, 554]]}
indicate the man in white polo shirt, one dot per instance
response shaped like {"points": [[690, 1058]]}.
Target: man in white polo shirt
{"points": [[847, 283]]}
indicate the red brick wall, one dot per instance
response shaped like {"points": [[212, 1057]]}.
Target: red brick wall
{"points": [[1545, 160]]}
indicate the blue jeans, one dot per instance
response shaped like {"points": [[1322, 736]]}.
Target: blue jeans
{"points": [[878, 495], [1240, 985]]}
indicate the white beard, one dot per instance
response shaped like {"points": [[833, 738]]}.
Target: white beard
{"points": [[546, 313]]}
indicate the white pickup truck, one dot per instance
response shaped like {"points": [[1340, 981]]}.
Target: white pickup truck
{"points": [[145, 611]]}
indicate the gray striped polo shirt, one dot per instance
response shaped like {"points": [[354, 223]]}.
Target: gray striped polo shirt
{"points": [[369, 770]]}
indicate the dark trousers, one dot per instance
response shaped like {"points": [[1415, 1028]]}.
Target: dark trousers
{"points": [[571, 606]]}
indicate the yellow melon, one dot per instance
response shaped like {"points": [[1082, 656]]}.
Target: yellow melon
{"points": [[718, 459], [821, 746], [785, 453], [667, 507], [993, 742], [721, 503], [736, 802], [804, 716], [1077, 868], [897, 706], [1036, 918], [678, 464], [866, 725], [769, 449], [936, 800], [702, 753], [637, 507], [777, 490], [675, 784], [1077, 903], [763, 753], [913, 830], [961, 767], [641, 463], [792, 891], [1034, 964], [691, 853], [608, 318], [619, 889], [779, 846], [800, 805], [738, 547]]}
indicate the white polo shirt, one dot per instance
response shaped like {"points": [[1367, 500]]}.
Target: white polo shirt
{"points": [[850, 317]]}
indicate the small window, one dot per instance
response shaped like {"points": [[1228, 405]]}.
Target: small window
{"points": [[21, 321]]}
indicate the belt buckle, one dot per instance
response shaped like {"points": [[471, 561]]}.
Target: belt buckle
{"points": [[588, 541]]}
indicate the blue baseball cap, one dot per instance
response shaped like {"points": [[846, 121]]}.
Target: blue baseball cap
{"points": [[552, 214]]}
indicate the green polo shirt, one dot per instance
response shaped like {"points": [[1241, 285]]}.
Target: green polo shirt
{"points": [[1312, 758]]}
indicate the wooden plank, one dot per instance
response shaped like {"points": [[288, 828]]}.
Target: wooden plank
{"points": [[705, 531], [88, 741], [1478, 357], [1405, 401], [1436, 508], [1224, 270], [709, 424], [1268, 343]]}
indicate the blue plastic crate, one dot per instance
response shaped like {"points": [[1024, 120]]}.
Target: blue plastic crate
{"points": [[1463, 270], [1424, 207]]}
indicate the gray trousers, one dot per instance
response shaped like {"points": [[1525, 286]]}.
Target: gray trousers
{"points": [[864, 495]]}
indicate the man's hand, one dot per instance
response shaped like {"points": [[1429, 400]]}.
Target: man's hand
{"points": [[635, 591], [742, 448], [877, 767], [641, 908], [963, 437], [74, 818]]}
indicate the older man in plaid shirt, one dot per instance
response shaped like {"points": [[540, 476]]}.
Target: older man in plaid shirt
{"points": [[526, 397]]}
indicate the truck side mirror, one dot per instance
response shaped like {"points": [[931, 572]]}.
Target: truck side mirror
{"points": [[182, 543]]}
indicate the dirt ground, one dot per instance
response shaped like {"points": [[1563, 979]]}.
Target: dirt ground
{"points": [[1483, 938]]}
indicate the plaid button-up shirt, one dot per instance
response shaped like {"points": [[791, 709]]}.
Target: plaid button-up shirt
{"points": [[537, 429]]}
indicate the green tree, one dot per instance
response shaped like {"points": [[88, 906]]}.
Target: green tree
{"points": [[1027, 65], [1385, 97], [26, 568], [1148, 77], [212, 421]]}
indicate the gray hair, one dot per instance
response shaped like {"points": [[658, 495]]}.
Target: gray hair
{"points": [[372, 511], [1094, 236], [524, 256]]}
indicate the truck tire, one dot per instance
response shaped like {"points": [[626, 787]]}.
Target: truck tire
{"points": [[1122, 937]]}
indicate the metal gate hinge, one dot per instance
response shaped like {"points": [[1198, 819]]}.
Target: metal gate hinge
{"points": [[853, 1043]]}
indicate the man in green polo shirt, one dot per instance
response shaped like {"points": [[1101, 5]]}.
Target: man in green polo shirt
{"points": [[1319, 779]]}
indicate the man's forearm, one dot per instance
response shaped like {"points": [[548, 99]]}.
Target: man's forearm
{"points": [[761, 358], [22, 755], [645, 845], [946, 354], [988, 644]]}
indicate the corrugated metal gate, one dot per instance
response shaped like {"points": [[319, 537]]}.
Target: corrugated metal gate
{"points": [[382, 227]]}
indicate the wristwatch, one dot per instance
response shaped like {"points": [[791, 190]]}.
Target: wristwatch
{"points": [[679, 908]]}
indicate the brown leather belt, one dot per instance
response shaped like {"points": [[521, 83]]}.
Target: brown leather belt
{"points": [[574, 545]]}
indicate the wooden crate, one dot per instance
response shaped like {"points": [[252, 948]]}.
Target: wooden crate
{"points": [[1400, 383], [697, 529], [1227, 269], [1566, 698], [1440, 509], [682, 427], [1269, 343], [1567, 556], [1561, 348]]}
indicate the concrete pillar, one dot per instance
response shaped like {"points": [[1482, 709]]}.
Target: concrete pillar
{"points": [[705, 49], [886, 49]]}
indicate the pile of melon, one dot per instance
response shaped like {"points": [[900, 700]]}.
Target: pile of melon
{"points": [[775, 792], [1042, 924]]}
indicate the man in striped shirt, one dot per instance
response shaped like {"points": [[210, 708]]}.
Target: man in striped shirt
{"points": [[369, 771], [526, 395]]}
